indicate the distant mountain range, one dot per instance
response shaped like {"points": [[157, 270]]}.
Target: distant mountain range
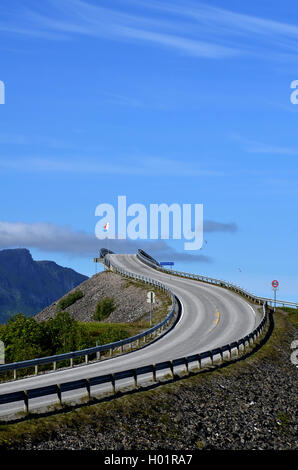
{"points": [[28, 286]]}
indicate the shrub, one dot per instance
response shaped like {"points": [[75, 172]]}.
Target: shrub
{"points": [[70, 299], [104, 308]]}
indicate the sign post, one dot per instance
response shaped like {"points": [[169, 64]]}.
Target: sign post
{"points": [[275, 285], [151, 300]]}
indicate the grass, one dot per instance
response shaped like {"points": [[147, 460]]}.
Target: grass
{"points": [[292, 314], [70, 299]]}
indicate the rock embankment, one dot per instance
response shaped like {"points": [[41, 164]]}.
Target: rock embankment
{"points": [[129, 296]]}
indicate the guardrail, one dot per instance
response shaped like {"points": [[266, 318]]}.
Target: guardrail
{"points": [[213, 356], [221, 283], [157, 329]]}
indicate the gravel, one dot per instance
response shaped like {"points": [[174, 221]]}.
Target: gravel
{"points": [[130, 299]]}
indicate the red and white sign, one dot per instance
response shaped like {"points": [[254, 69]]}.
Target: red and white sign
{"points": [[275, 283]]}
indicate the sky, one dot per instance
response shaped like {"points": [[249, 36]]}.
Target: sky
{"points": [[184, 102]]}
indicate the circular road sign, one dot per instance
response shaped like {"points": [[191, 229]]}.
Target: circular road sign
{"points": [[275, 283]]}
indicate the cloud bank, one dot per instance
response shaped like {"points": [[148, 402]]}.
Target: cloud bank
{"points": [[53, 238]]}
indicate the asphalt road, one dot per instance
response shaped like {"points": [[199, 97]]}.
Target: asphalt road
{"points": [[211, 317]]}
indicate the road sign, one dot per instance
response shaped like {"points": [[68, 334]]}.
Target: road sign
{"points": [[275, 284], [167, 263], [150, 300], [150, 297]]}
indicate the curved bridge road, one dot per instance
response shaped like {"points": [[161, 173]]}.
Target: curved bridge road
{"points": [[211, 317]]}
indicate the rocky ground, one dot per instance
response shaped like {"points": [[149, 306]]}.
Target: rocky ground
{"points": [[130, 299], [250, 404]]}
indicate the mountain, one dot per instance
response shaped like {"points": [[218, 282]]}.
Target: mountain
{"points": [[28, 286]]}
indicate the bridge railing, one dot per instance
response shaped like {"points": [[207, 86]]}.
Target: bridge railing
{"points": [[221, 283]]}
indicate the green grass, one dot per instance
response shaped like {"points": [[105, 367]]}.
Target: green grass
{"points": [[104, 308], [292, 314], [70, 299], [105, 333]]}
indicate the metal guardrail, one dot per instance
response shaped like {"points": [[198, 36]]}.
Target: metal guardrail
{"points": [[14, 366], [227, 285]]}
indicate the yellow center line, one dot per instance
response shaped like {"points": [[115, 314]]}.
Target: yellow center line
{"points": [[216, 321]]}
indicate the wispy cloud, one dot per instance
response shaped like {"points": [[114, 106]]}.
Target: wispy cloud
{"points": [[76, 17], [252, 146], [123, 100], [143, 165], [22, 139], [191, 28], [258, 147], [250, 31]]}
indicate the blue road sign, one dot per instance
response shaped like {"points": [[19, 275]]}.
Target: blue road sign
{"points": [[167, 263]]}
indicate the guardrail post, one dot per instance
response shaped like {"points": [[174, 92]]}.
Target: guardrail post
{"points": [[111, 352], [229, 351], [54, 365], [186, 364], [86, 358], [26, 402], [199, 361], [88, 388], [14, 374], [71, 362], [221, 354], [36, 369], [135, 378], [172, 369], [154, 373], [98, 355], [211, 357], [113, 383], [59, 394]]}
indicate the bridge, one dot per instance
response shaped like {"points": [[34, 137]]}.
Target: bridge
{"points": [[210, 321]]}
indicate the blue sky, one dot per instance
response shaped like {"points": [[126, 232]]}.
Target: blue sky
{"points": [[164, 102]]}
